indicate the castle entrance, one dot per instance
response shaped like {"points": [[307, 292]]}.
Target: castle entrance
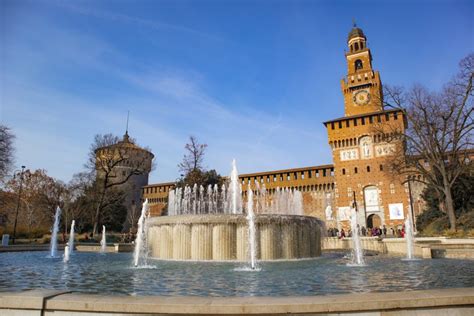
{"points": [[374, 221]]}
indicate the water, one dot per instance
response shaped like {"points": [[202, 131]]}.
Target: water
{"points": [[409, 238], [357, 252], [114, 274], [103, 241], [235, 193], [71, 237], [54, 235], [251, 232], [228, 200], [66, 254], [140, 252]]}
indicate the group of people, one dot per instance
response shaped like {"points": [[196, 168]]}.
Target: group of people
{"points": [[368, 232]]}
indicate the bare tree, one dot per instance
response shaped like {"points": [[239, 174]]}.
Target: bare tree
{"points": [[41, 194], [6, 150], [113, 165], [194, 156], [439, 139], [133, 216]]}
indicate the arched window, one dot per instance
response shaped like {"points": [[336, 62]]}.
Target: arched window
{"points": [[358, 64], [356, 46]]}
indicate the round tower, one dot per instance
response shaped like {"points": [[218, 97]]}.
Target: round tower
{"points": [[125, 166]]}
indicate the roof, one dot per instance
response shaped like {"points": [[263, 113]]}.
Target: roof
{"points": [[263, 173], [125, 143], [362, 115], [355, 32]]}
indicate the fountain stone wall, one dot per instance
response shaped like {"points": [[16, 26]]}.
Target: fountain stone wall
{"points": [[225, 237]]}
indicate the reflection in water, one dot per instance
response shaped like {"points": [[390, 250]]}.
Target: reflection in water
{"points": [[112, 274]]}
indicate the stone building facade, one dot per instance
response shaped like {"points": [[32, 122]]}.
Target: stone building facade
{"points": [[361, 144], [129, 166]]}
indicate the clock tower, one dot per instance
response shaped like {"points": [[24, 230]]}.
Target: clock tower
{"points": [[362, 88], [362, 144]]}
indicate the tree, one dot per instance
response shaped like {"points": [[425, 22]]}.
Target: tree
{"points": [[194, 156], [41, 194], [6, 151], [199, 177], [111, 161], [439, 139]]}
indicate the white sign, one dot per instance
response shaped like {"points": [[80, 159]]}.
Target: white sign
{"points": [[343, 213], [396, 211], [384, 150], [349, 154]]}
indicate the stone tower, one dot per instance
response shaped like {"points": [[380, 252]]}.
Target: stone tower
{"points": [[361, 144], [362, 88], [127, 165]]}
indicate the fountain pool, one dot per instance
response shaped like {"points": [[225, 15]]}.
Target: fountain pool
{"points": [[114, 274]]}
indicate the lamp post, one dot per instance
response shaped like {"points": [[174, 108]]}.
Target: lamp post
{"points": [[18, 204]]}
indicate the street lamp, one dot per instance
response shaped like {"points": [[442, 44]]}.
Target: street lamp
{"points": [[18, 204]]}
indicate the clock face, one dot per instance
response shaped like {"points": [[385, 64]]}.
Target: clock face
{"points": [[361, 97]]}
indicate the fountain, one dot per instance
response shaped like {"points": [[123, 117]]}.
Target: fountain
{"points": [[211, 224], [71, 237], [251, 232], [66, 254], [409, 237], [140, 252], [235, 190], [357, 255], [103, 241], [54, 234]]}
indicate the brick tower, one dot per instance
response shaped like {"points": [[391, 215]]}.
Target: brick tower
{"points": [[361, 145]]}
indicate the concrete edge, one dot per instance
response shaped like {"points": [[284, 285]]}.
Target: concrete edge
{"points": [[33, 299], [51, 300]]}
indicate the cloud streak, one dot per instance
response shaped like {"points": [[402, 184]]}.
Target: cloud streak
{"points": [[56, 120]]}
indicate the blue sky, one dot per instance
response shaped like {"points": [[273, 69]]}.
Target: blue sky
{"points": [[252, 79]]}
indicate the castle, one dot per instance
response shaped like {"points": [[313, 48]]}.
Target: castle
{"points": [[361, 145]]}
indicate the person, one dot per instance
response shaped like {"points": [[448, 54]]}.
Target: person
{"points": [[393, 231], [343, 233], [384, 231]]}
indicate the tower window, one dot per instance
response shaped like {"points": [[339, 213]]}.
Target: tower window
{"points": [[355, 170], [343, 171], [340, 124], [355, 122], [356, 46], [358, 64], [395, 116], [368, 168], [362, 120], [347, 123], [381, 167], [332, 125]]}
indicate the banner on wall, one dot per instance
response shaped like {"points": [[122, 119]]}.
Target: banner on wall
{"points": [[343, 213], [396, 211]]}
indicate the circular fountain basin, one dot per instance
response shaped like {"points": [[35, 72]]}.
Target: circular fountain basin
{"points": [[225, 237]]}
